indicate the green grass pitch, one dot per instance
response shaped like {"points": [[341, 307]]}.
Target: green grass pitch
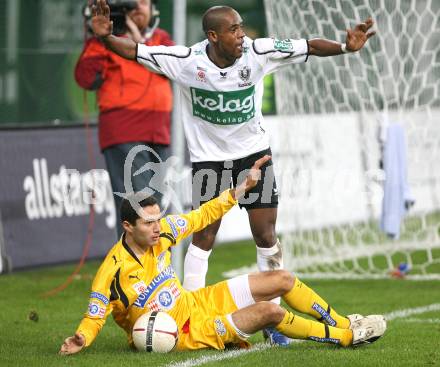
{"points": [[411, 340]]}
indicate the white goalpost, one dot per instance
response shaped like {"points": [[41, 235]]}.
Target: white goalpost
{"points": [[328, 139]]}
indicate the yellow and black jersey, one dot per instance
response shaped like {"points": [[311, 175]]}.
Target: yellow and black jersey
{"points": [[128, 286]]}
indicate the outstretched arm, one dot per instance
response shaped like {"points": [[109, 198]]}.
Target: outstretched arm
{"points": [[356, 39], [73, 344], [103, 27]]}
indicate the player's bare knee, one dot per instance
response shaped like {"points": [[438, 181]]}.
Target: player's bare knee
{"points": [[204, 239], [208, 237], [265, 239], [285, 280], [204, 245], [273, 313]]}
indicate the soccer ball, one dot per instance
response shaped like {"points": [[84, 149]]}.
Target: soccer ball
{"points": [[155, 332]]}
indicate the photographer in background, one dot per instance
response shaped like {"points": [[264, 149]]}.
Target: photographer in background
{"points": [[134, 103]]}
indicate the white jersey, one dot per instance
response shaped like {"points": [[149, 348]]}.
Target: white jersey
{"points": [[221, 107]]}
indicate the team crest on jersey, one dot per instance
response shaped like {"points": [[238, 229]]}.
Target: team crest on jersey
{"points": [[165, 299], [201, 75], [220, 328], [244, 74], [95, 310]]}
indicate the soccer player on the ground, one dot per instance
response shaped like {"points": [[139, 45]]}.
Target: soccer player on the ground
{"points": [[137, 277], [221, 84]]}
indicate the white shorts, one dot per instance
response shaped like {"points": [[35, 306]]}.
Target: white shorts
{"points": [[241, 293]]}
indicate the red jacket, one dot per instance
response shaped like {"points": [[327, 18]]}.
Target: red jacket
{"points": [[134, 103]]}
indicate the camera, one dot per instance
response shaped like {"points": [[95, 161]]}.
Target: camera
{"points": [[118, 11]]}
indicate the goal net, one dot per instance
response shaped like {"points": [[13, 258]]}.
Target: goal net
{"points": [[334, 119]]}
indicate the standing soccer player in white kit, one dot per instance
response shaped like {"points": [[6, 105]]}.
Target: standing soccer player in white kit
{"points": [[220, 81]]}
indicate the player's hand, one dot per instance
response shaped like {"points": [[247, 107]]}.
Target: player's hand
{"points": [[252, 178], [357, 37], [73, 344], [101, 24]]}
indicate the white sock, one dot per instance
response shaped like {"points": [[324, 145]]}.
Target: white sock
{"points": [[195, 268], [270, 259]]}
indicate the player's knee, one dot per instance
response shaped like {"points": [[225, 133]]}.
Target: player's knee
{"points": [[205, 239], [265, 238], [273, 313], [285, 280]]}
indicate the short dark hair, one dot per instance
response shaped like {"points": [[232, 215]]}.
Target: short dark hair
{"points": [[213, 17], [128, 213]]}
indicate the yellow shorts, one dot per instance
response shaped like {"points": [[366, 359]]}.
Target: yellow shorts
{"points": [[208, 326]]}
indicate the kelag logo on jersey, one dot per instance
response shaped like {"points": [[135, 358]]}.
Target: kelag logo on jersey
{"points": [[223, 108], [283, 45]]}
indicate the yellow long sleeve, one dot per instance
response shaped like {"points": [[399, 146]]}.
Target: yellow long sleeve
{"points": [[211, 211], [90, 328], [181, 226]]}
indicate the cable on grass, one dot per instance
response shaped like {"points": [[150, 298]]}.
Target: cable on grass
{"points": [[91, 223]]}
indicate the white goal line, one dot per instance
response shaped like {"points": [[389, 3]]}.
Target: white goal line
{"points": [[193, 362], [331, 276]]}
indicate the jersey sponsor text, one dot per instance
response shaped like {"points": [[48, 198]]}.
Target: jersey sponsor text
{"points": [[223, 108]]}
